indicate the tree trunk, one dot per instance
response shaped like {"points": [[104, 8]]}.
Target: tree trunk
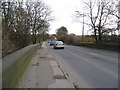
{"points": [[100, 36], [99, 32], [33, 38], [95, 34]]}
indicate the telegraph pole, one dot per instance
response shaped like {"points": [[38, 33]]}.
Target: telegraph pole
{"points": [[83, 29], [83, 15]]}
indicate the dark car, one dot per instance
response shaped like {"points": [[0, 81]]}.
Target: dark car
{"points": [[52, 43]]}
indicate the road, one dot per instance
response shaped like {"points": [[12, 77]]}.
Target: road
{"points": [[89, 68]]}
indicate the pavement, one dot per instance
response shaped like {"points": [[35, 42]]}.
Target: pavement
{"points": [[44, 72], [72, 67], [88, 67]]}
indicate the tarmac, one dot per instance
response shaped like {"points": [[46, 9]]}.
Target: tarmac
{"points": [[44, 72]]}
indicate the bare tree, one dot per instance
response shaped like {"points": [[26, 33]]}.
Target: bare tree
{"points": [[99, 16], [115, 11], [20, 21], [39, 17], [62, 31]]}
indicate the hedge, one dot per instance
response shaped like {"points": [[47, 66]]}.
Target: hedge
{"points": [[106, 46]]}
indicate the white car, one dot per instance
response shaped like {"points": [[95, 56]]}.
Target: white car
{"points": [[59, 44]]}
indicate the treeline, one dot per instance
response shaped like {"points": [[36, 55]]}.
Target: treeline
{"points": [[109, 41], [22, 24]]}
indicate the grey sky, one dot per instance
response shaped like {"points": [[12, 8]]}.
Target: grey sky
{"points": [[63, 12]]}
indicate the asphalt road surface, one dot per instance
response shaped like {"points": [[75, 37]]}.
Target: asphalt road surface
{"points": [[89, 68]]}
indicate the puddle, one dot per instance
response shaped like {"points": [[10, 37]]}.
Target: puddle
{"points": [[36, 84], [59, 77], [42, 57], [36, 64]]}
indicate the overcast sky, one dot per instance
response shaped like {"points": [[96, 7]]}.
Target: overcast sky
{"points": [[63, 12]]}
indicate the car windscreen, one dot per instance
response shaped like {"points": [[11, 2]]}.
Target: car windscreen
{"points": [[52, 42], [59, 42]]}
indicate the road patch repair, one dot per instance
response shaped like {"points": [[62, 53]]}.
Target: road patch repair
{"points": [[59, 76], [44, 72]]}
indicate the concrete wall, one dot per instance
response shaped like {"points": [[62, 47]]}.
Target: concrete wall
{"points": [[14, 65]]}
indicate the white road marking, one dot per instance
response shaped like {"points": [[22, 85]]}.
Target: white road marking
{"points": [[94, 54]]}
